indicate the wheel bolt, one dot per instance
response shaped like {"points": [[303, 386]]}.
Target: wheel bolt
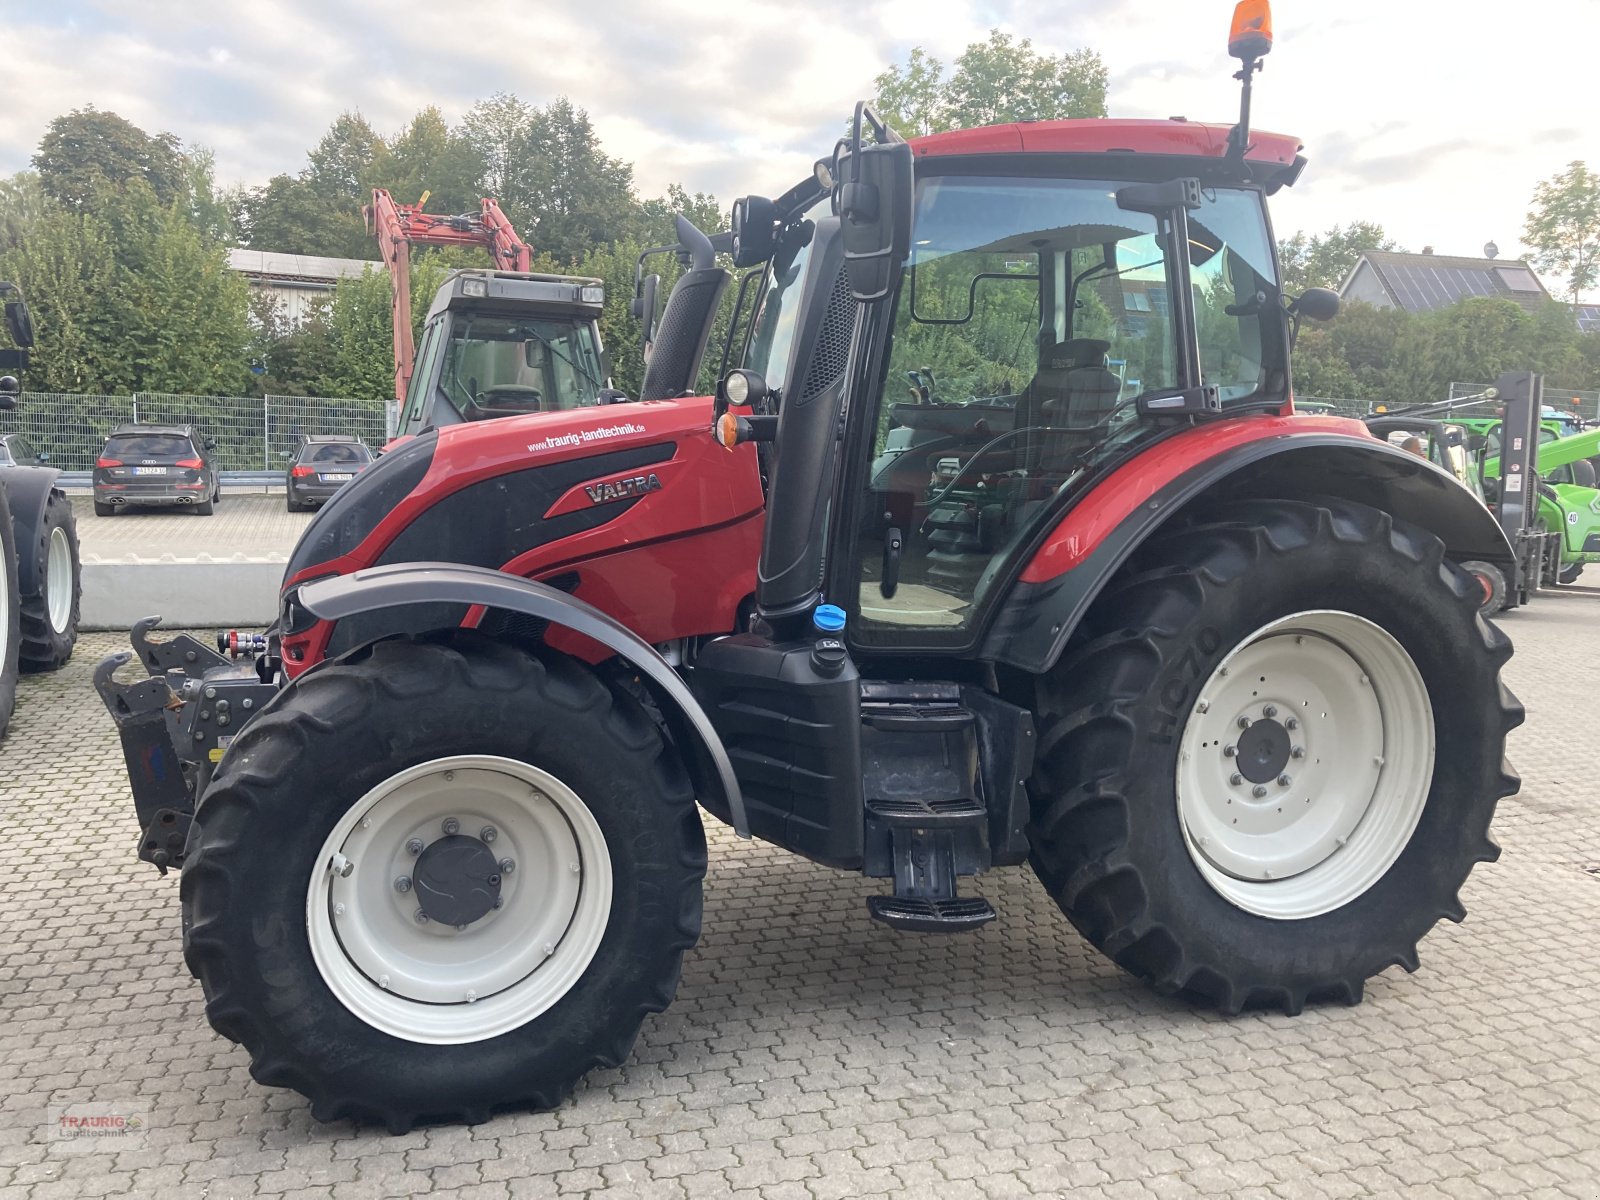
{"points": [[1229, 751], [414, 846], [1236, 779], [488, 833], [507, 866], [422, 917], [1259, 790], [1284, 781], [499, 900], [1298, 752], [1270, 710], [494, 880], [471, 996], [1244, 722], [403, 884], [451, 825], [1291, 723]]}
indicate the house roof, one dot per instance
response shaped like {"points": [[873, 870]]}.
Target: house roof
{"points": [[310, 269], [1424, 282]]}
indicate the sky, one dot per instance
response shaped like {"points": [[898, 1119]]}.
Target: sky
{"points": [[1434, 118]]}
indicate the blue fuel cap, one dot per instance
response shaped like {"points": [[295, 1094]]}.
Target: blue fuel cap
{"points": [[829, 618]]}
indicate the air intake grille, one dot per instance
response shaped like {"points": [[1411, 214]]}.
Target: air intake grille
{"points": [[833, 345]]}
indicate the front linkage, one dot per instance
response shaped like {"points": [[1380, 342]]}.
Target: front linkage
{"points": [[176, 723]]}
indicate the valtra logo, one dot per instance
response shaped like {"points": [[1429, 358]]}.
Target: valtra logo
{"points": [[622, 489]]}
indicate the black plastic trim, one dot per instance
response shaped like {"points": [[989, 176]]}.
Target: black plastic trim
{"points": [[409, 584]]}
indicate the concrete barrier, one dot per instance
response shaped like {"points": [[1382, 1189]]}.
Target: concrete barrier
{"points": [[203, 592]]}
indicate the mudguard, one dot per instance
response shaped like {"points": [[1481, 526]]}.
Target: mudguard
{"points": [[1079, 557], [29, 491], [449, 583]]}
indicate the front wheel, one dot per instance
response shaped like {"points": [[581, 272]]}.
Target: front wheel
{"points": [[1570, 572], [1270, 757], [440, 877], [50, 614]]}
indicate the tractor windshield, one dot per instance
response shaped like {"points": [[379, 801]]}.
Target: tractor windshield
{"points": [[495, 366], [1031, 314]]}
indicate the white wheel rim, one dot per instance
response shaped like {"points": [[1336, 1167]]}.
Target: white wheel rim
{"points": [[438, 984], [58, 581], [1343, 693]]}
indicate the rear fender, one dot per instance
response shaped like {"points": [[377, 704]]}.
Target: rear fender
{"points": [[405, 584], [1055, 590], [29, 490]]}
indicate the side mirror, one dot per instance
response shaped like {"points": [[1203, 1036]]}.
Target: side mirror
{"points": [[287, 455], [1316, 304], [211, 443], [753, 230], [43, 456], [874, 203], [19, 323], [643, 308]]}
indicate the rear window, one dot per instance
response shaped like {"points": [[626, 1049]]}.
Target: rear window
{"points": [[333, 452], [149, 445]]}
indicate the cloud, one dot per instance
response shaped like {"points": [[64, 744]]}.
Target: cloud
{"points": [[1435, 125]]}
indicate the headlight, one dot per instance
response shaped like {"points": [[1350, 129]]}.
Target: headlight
{"points": [[475, 287], [593, 295]]}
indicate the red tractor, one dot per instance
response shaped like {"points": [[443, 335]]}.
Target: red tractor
{"points": [[1094, 599]]}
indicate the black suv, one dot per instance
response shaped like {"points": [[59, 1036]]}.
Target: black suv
{"points": [[321, 465], [156, 464]]}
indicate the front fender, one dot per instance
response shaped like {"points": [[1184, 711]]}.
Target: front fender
{"points": [[1056, 590], [405, 584]]}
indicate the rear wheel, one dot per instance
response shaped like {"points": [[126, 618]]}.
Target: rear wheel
{"points": [[205, 507], [50, 614], [1570, 572], [483, 871], [1270, 758], [104, 510]]}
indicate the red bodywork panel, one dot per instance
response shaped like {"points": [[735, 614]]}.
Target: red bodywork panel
{"points": [[1101, 136], [677, 563], [1130, 485]]}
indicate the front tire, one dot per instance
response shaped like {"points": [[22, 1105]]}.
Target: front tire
{"points": [[327, 980], [1338, 614], [10, 613], [50, 615]]}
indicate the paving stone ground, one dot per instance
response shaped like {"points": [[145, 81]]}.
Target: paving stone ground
{"points": [[254, 524], [812, 1054]]}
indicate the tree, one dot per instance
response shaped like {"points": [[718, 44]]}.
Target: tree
{"points": [[22, 203], [88, 150], [1323, 260], [361, 339], [1563, 227], [994, 81], [428, 157], [499, 130], [579, 195]]}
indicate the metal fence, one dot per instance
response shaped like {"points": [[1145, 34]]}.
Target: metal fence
{"points": [[253, 433], [1577, 401]]}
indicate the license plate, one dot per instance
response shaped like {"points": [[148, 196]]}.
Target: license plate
{"points": [[336, 477], [149, 470]]}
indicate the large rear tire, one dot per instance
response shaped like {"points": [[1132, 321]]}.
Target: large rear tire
{"points": [[10, 613], [50, 613], [327, 976], [1270, 757]]}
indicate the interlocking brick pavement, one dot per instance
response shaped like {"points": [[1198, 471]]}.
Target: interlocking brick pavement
{"points": [[812, 1054]]}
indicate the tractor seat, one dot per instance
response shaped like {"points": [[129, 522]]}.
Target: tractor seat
{"points": [[1074, 387]]}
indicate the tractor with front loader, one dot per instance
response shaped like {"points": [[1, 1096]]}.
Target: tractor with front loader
{"points": [[1213, 670], [40, 584]]}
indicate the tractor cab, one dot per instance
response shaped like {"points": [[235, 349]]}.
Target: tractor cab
{"points": [[1051, 318], [504, 343]]}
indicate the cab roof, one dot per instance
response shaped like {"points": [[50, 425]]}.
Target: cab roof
{"points": [[1101, 135]]}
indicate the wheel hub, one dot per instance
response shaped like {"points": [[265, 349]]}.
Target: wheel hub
{"points": [[457, 880], [1263, 751], [1305, 764]]}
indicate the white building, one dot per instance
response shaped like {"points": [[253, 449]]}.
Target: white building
{"points": [[295, 281]]}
